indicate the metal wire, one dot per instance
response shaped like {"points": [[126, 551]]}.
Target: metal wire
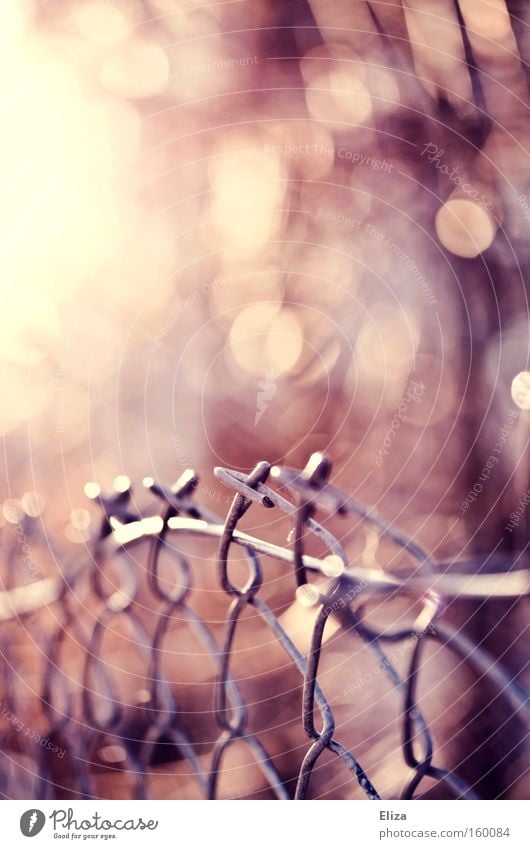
{"points": [[81, 717]]}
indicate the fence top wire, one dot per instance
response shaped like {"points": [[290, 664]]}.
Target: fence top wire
{"points": [[331, 586]]}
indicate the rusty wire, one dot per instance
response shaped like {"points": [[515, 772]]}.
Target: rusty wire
{"points": [[82, 718]]}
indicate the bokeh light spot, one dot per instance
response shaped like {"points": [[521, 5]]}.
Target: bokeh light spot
{"points": [[521, 390], [464, 227]]}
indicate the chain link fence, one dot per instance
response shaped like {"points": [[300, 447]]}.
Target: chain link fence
{"points": [[61, 674]]}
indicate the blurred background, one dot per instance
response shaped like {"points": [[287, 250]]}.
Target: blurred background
{"points": [[255, 229]]}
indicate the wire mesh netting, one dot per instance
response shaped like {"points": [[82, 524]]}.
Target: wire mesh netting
{"points": [[99, 662]]}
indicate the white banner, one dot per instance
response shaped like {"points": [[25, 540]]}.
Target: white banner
{"points": [[249, 824]]}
